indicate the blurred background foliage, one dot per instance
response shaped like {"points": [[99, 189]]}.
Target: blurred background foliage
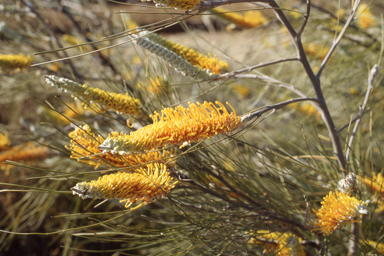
{"points": [[231, 186]]}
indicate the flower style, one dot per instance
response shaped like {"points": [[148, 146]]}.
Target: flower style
{"points": [[14, 63], [84, 147], [110, 101], [145, 185], [177, 127], [365, 17], [337, 210], [277, 243], [194, 57], [249, 19], [4, 141], [177, 4], [376, 183], [172, 58]]}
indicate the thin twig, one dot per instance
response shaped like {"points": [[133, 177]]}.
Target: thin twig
{"points": [[258, 113], [249, 69], [272, 80], [354, 239], [362, 108], [338, 39], [52, 35], [306, 17], [349, 123], [306, 211]]}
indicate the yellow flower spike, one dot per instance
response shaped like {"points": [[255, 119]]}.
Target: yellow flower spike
{"points": [[14, 63], [84, 147], [24, 152], [194, 57], [4, 141], [277, 243], [177, 4], [365, 17], [145, 185], [122, 104], [178, 62], [249, 19], [376, 184], [177, 127], [337, 210]]}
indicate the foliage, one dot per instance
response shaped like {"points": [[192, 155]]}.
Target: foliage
{"points": [[291, 166]]}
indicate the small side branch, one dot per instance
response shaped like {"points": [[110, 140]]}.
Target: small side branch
{"points": [[267, 108], [249, 69], [306, 17], [338, 39], [362, 108]]}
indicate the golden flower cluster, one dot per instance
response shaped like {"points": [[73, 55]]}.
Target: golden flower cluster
{"points": [[192, 56], [277, 243], [177, 127], [146, 185], [376, 184], [337, 210], [23, 152], [5, 142], [365, 17], [14, 63], [250, 19], [306, 108], [84, 147], [108, 100], [177, 4], [316, 51]]}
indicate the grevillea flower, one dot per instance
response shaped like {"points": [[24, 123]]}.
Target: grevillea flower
{"points": [[14, 63], [365, 17], [172, 58], [108, 100], [177, 4], [177, 127], [337, 210], [376, 184], [4, 141], [277, 243], [23, 152], [144, 185], [194, 57], [84, 147], [249, 19]]}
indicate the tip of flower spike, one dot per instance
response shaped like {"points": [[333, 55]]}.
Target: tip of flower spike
{"points": [[82, 190]]}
